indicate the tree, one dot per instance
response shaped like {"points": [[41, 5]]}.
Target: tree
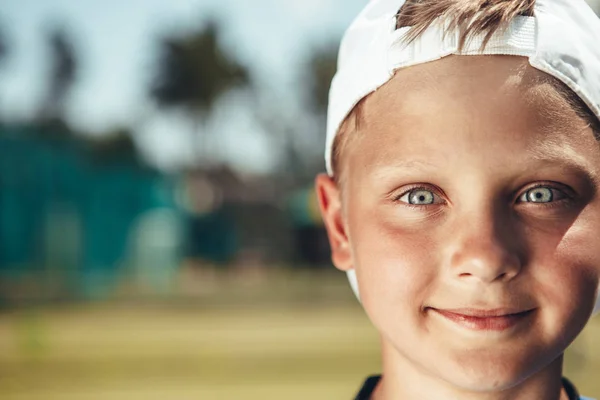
{"points": [[4, 47], [4, 51], [63, 72], [321, 66], [300, 134], [116, 146], [193, 71]]}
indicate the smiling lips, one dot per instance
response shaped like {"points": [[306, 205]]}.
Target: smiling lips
{"points": [[484, 320]]}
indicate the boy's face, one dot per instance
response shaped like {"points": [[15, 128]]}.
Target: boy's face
{"points": [[492, 271]]}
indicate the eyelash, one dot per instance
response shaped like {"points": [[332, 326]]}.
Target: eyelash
{"points": [[553, 186], [564, 191], [414, 189]]}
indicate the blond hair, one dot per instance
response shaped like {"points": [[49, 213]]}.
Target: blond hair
{"points": [[471, 18]]}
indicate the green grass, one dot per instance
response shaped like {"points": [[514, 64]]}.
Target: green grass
{"points": [[283, 349], [138, 352]]}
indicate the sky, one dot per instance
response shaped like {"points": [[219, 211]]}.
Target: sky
{"points": [[116, 42]]}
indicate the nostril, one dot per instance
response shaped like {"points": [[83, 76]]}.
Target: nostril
{"points": [[499, 277]]}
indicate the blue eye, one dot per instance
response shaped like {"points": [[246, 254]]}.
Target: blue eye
{"points": [[418, 197], [541, 194]]}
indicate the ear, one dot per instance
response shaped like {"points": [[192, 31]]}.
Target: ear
{"points": [[330, 203]]}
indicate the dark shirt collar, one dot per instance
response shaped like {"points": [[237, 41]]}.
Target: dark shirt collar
{"points": [[369, 386]]}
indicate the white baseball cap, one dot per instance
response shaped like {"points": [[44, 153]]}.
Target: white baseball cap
{"points": [[562, 39]]}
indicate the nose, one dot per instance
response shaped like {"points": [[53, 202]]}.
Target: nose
{"points": [[485, 249]]}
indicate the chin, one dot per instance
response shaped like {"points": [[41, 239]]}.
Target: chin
{"points": [[488, 372], [485, 383]]}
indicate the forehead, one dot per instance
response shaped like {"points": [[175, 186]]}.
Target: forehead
{"points": [[470, 104], [489, 84]]}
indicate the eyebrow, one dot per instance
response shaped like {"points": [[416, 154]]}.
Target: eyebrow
{"points": [[403, 164], [563, 157], [572, 165]]}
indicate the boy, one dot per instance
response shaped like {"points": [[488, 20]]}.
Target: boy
{"points": [[462, 191]]}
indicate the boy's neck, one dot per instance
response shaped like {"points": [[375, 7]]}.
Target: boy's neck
{"points": [[403, 380]]}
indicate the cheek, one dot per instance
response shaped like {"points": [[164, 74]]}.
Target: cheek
{"points": [[394, 266], [567, 269]]}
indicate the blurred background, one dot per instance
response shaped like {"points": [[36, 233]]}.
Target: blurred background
{"points": [[159, 234]]}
